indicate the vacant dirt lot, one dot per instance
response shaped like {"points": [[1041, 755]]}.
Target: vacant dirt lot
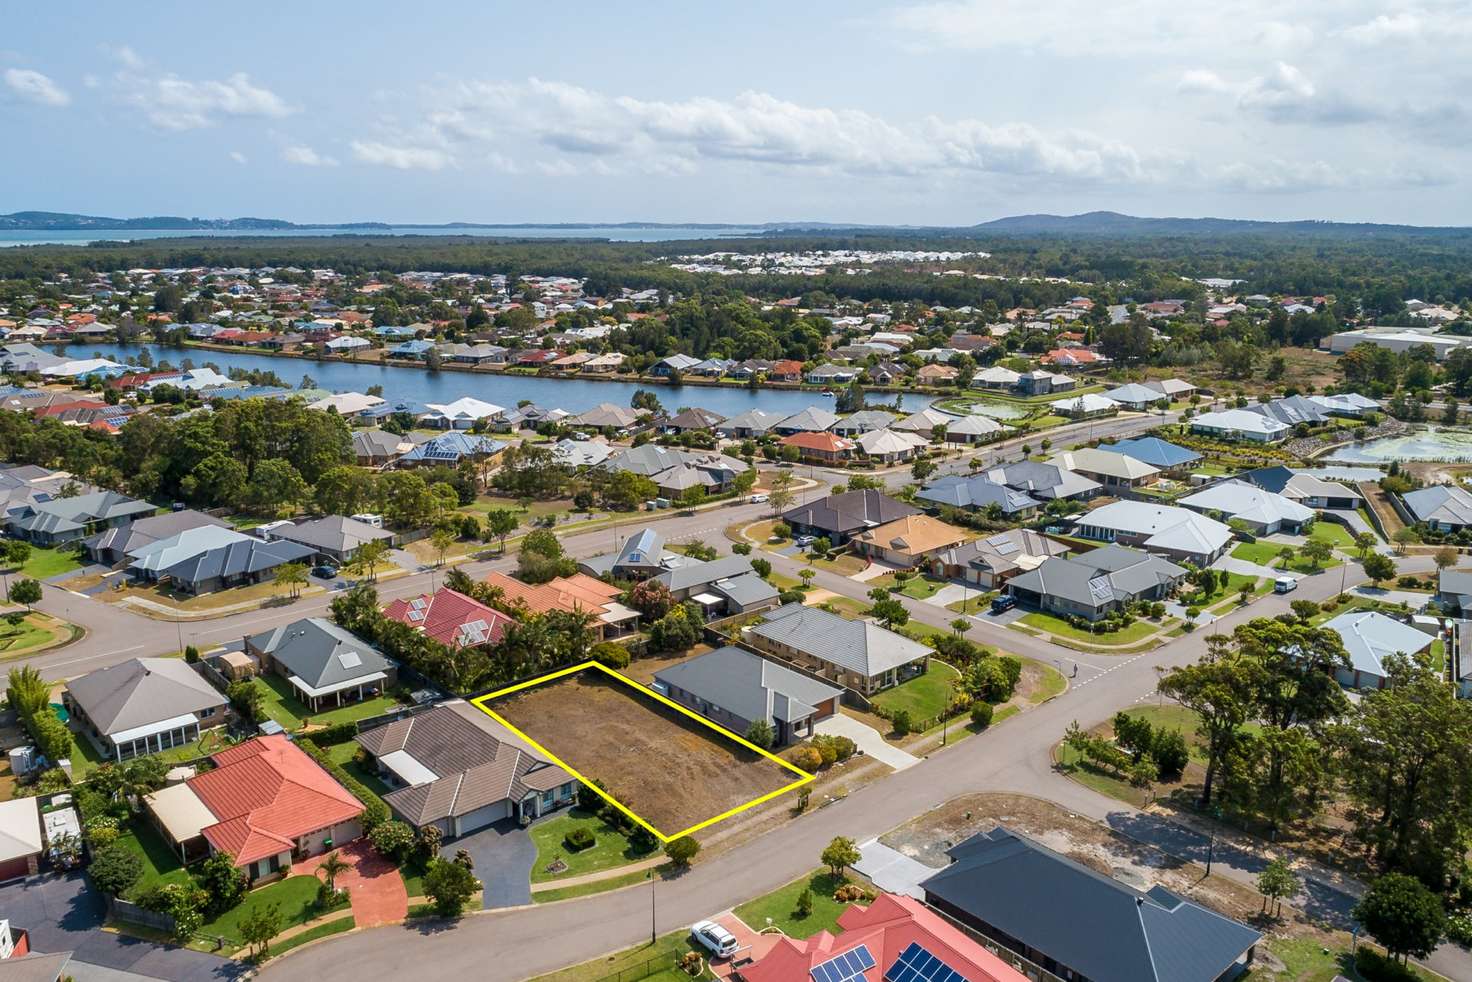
{"points": [[670, 770]]}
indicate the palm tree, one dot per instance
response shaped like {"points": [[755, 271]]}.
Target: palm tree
{"points": [[960, 625], [331, 866]]}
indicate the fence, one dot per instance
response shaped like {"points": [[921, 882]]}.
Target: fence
{"points": [[124, 910], [651, 966]]}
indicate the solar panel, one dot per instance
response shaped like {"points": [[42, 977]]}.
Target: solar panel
{"points": [[847, 967], [349, 659], [915, 964], [999, 540], [416, 615]]}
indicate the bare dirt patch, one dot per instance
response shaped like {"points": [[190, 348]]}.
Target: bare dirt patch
{"points": [[670, 770]]}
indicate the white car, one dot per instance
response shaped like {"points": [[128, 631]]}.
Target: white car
{"points": [[758, 499], [714, 938]]}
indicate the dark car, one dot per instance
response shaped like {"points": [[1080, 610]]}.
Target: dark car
{"points": [[326, 571], [1004, 603]]}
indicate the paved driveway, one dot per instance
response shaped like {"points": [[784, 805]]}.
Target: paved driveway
{"points": [[869, 740], [62, 914], [891, 870], [503, 855], [374, 884]]}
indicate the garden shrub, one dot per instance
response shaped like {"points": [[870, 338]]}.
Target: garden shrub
{"points": [[579, 839]]}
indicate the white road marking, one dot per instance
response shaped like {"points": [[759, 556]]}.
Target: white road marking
{"points": [[106, 654]]}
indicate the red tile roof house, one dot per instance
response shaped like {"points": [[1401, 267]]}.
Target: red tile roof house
{"points": [[1072, 357], [451, 618], [785, 371], [821, 447], [265, 802], [881, 942]]}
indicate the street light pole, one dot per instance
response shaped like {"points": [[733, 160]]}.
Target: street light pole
{"points": [[652, 934]]}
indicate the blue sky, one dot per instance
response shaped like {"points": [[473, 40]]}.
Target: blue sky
{"points": [[948, 112]]}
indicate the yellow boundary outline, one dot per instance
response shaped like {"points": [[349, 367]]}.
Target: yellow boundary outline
{"points": [[480, 702]]}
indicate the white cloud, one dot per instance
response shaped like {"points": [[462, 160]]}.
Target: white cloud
{"points": [[400, 157], [1206, 80], [173, 103], [32, 86], [1403, 26], [307, 157], [238, 157]]}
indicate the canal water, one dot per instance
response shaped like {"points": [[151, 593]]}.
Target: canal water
{"points": [[419, 385], [1435, 443]]}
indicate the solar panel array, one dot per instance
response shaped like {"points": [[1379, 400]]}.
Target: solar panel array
{"points": [[915, 964], [847, 967]]}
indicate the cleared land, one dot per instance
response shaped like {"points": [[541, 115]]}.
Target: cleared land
{"points": [[671, 771]]}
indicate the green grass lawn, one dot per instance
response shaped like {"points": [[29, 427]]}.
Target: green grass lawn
{"points": [[48, 562], [313, 933], [915, 587], [1051, 684], [282, 705], [977, 603], [1234, 584], [1262, 553], [295, 896], [596, 886], [779, 906], [1333, 533], [924, 696], [664, 951], [1138, 631], [346, 755], [923, 633], [611, 848], [161, 864]]}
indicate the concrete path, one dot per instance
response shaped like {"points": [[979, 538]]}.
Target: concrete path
{"points": [[1242, 566], [950, 593], [891, 870], [1416, 600], [873, 571], [869, 740]]}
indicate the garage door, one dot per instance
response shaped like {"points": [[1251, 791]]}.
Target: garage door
{"points": [[482, 817], [12, 868]]}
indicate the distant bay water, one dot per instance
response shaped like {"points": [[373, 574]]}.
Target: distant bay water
{"points": [[419, 385], [616, 233]]}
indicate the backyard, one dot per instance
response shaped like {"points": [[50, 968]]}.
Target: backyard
{"points": [[282, 705], [672, 771], [610, 848]]}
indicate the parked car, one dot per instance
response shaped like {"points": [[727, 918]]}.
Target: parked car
{"points": [[1004, 603], [1285, 584], [714, 938], [324, 571], [803, 541], [758, 499]]}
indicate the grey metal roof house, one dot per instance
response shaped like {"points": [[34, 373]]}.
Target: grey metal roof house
{"points": [[455, 768], [1096, 583], [753, 422], [334, 537], [1454, 590], [323, 662], [978, 492], [727, 585], [144, 706], [735, 688], [839, 516], [113, 545], [200, 560], [988, 562], [1442, 507], [809, 420], [862, 656], [69, 519], [1077, 923], [864, 421], [1044, 480], [694, 418]]}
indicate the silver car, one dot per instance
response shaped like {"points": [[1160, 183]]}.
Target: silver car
{"points": [[714, 938]]}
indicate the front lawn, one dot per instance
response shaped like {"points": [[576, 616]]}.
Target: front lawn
{"points": [[45, 563], [1231, 590], [283, 706], [924, 696], [1333, 533], [778, 908], [659, 959], [36, 631], [915, 586], [1138, 631], [295, 896], [610, 848], [161, 864], [1262, 553]]}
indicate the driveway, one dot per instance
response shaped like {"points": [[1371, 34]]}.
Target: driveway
{"points": [[1415, 600], [891, 870], [1233, 565], [374, 884], [503, 855], [62, 914], [952, 592], [873, 571], [869, 740]]}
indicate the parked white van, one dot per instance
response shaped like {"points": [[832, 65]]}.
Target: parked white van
{"points": [[1285, 584]]}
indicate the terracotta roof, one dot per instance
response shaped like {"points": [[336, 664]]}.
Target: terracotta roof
{"points": [[912, 535], [579, 592], [451, 618], [827, 442], [266, 793]]}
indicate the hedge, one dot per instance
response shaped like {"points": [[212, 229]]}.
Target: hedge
{"points": [[331, 736], [374, 810]]}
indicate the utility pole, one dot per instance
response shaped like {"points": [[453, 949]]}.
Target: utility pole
{"points": [[652, 935]]}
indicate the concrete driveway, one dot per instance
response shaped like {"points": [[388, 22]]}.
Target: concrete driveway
{"points": [[869, 740], [891, 870], [503, 854], [63, 914]]}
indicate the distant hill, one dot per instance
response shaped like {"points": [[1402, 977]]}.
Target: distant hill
{"points": [[1110, 223]]}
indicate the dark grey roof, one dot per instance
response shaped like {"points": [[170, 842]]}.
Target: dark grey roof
{"points": [[1291, 410], [749, 685], [1442, 503], [977, 492], [859, 646], [695, 419], [852, 511], [1042, 480], [698, 574], [336, 532], [1097, 926], [247, 555], [70, 514], [745, 590], [1000, 552], [1099, 577], [756, 420], [642, 550], [1456, 582], [320, 653], [142, 531], [376, 443]]}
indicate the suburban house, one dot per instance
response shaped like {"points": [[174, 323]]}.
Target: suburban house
{"points": [[451, 448], [1370, 638], [1175, 532], [1046, 481], [334, 537], [907, 542], [936, 375], [113, 545], [1160, 454], [461, 414], [61, 520], [974, 429], [1095, 584], [143, 706], [673, 366], [958, 491], [809, 420], [451, 618], [1350, 404], [1454, 591], [988, 563], [1291, 410], [605, 416], [641, 556], [1262, 511], [208, 558], [379, 448], [864, 421], [1305, 488], [895, 938], [820, 448], [1174, 388], [673, 470], [21, 842], [839, 517], [750, 424], [724, 586], [265, 802], [1040, 382], [1135, 396], [457, 769], [1240, 424], [581, 453], [325, 665], [1080, 924], [1443, 507], [1090, 405], [692, 419], [735, 688], [924, 422], [856, 654], [890, 446], [573, 594], [1113, 470]]}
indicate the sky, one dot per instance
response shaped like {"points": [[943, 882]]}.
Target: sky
{"points": [[950, 112]]}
